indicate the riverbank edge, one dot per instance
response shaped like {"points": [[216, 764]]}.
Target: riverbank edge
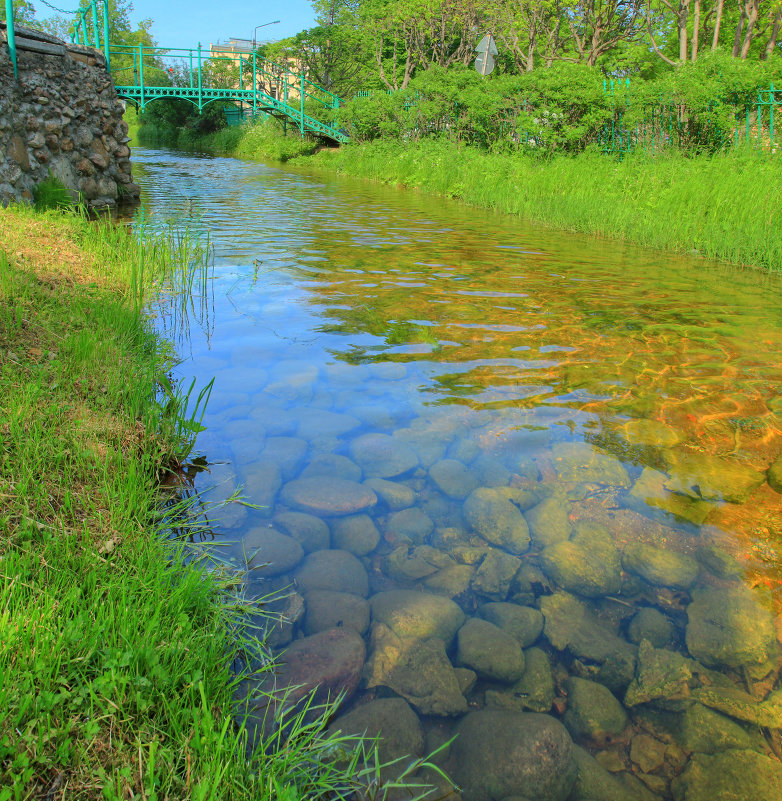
{"points": [[726, 206], [114, 677]]}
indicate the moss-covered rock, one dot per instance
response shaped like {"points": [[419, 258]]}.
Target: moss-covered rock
{"points": [[329, 610], [418, 670], [334, 570], [394, 495], [570, 624], [774, 475], [533, 692], [580, 463], [650, 624], [701, 475], [661, 675], [660, 566], [356, 534], [588, 564], [453, 479], [382, 456], [594, 782], [706, 731], [409, 526], [410, 564], [417, 615], [548, 521], [729, 626], [501, 754], [523, 623], [311, 532], [730, 776], [269, 552], [489, 651], [650, 491], [495, 574], [497, 519], [593, 712]]}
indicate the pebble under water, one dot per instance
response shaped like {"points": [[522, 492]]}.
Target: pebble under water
{"points": [[516, 485]]}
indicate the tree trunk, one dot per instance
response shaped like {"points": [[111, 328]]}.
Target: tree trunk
{"points": [[716, 38], [684, 10], [751, 20], [772, 42], [696, 24], [739, 32]]}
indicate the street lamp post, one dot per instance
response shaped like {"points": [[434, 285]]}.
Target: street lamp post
{"points": [[276, 22]]}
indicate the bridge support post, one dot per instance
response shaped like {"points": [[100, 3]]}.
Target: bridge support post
{"points": [[255, 85], [301, 89], [200, 98], [95, 29], [106, 34], [141, 72], [9, 31]]}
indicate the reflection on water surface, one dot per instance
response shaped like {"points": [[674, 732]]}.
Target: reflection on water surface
{"points": [[525, 485]]}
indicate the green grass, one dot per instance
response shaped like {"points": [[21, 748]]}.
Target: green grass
{"points": [[114, 647], [262, 140], [727, 206]]}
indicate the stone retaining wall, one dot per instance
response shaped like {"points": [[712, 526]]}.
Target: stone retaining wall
{"points": [[61, 117]]}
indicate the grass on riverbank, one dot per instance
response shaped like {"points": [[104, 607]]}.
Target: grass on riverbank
{"points": [[727, 206], [253, 140], [114, 653]]}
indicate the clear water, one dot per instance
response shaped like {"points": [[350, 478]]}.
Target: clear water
{"points": [[635, 395]]}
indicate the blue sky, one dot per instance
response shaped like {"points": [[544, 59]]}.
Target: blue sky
{"points": [[183, 23]]}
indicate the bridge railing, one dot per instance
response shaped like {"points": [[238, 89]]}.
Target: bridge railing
{"points": [[87, 27]]}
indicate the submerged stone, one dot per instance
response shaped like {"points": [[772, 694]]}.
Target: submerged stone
{"points": [[580, 463], [659, 566], [730, 627], [411, 614], [594, 782], [333, 466], [650, 624], [409, 564], [450, 581], [661, 675], [409, 526], [416, 669], [328, 497], [334, 570], [523, 623], [286, 452], [742, 706], [327, 609], [730, 776], [269, 552], [497, 520], [707, 731], [569, 624], [548, 521], [592, 712], [500, 754], [394, 723], [533, 692], [262, 482], [310, 531], [495, 574], [650, 491], [357, 534], [650, 433], [382, 456], [588, 564], [394, 495], [774, 475], [718, 561], [701, 475], [453, 478], [489, 651]]}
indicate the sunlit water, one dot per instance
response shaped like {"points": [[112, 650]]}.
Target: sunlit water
{"points": [[422, 396]]}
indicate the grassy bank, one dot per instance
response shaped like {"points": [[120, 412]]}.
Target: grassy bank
{"points": [[252, 141], [727, 206], [114, 649]]}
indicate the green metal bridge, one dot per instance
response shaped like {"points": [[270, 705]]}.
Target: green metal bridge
{"points": [[256, 86]]}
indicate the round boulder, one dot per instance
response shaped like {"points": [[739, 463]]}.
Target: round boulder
{"points": [[497, 519], [333, 610], [489, 651], [270, 552], [327, 497], [659, 566], [523, 623], [417, 615], [338, 571], [593, 712], [357, 534], [310, 531], [382, 456], [500, 754]]}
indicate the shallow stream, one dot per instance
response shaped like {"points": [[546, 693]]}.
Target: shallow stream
{"points": [[520, 483]]}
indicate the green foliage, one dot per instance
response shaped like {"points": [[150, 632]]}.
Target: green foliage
{"points": [[52, 194]]}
